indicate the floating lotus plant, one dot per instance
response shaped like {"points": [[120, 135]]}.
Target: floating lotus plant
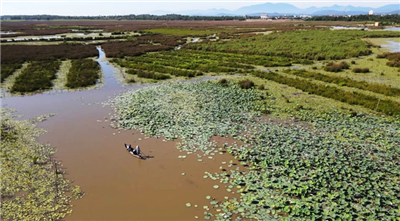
{"points": [[193, 112], [328, 166], [300, 172], [33, 185]]}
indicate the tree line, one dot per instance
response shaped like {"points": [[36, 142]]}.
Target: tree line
{"points": [[169, 17], [379, 18]]}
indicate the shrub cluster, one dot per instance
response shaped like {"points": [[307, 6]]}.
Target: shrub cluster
{"points": [[246, 84], [385, 106], [151, 75], [360, 70], [223, 82], [37, 76], [128, 48], [363, 85], [83, 73], [161, 39], [394, 58], [142, 44], [383, 55], [393, 63], [156, 68], [117, 33], [336, 67], [21, 53], [148, 74]]}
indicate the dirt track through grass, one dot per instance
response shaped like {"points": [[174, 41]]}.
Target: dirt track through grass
{"points": [[9, 82], [61, 79]]}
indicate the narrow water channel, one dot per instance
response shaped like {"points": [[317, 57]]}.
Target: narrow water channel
{"points": [[393, 46], [117, 185]]}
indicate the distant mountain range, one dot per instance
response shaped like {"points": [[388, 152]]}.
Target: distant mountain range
{"points": [[274, 9]]}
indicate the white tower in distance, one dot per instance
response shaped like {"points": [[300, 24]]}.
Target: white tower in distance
{"points": [[371, 12]]}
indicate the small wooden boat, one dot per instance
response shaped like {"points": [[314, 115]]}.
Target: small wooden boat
{"points": [[131, 152], [138, 156]]}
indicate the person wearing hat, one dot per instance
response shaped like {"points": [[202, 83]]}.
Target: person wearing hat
{"points": [[137, 151]]}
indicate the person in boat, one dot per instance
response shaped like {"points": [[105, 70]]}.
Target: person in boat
{"points": [[137, 151], [129, 148]]}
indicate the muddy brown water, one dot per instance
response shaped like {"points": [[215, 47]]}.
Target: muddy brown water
{"points": [[117, 185]]}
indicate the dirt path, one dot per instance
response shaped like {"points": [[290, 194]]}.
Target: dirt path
{"points": [[61, 79], [10, 80]]}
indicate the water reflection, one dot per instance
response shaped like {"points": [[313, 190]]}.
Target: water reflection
{"points": [[393, 28], [344, 27], [393, 46]]}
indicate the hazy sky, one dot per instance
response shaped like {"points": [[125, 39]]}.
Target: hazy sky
{"points": [[125, 7]]}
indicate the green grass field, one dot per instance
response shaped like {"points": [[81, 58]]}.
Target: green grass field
{"points": [[312, 44]]}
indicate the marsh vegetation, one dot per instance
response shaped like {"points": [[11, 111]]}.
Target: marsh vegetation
{"points": [[296, 170], [37, 76], [33, 182], [8, 69], [291, 170], [386, 106], [313, 114], [21, 53], [393, 59], [341, 81], [83, 73], [312, 45]]}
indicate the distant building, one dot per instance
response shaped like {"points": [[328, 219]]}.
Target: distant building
{"points": [[305, 16], [264, 16], [377, 24], [371, 12]]}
